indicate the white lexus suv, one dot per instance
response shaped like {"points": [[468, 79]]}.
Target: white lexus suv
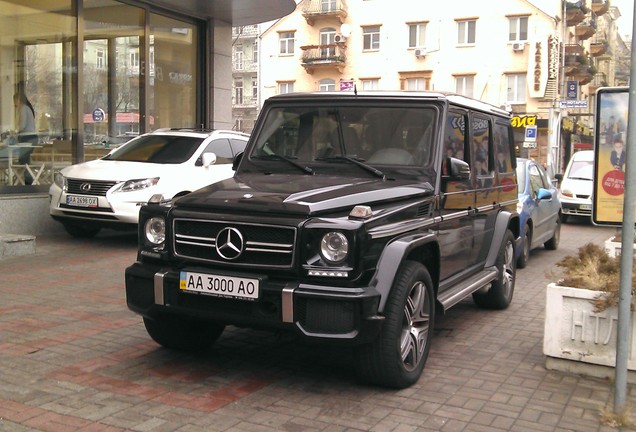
{"points": [[108, 192]]}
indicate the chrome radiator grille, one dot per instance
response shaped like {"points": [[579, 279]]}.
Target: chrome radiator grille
{"points": [[88, 187], [241, 244]]}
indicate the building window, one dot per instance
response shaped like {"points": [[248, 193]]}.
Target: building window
{"points": [[100, 59], [466, 32], [371, 38], [327, 5], [327, 38], [285, 87], [418, 84], [417, 35], [370, 84], [464, 85], [516, 88], [134, 59], [518, 29], [286, 43], [254, 89], [255, 52], [238, 92], [327, 85], [238, 57]]}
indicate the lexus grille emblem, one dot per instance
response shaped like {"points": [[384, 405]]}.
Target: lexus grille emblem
{"points": [[85, 187], [229, 243]]}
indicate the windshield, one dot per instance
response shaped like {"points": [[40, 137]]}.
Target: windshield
{"points": [[582, 170], [375, 135], [163, 149]]}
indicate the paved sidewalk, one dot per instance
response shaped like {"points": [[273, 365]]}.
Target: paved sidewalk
{"points": [[73, 358]]}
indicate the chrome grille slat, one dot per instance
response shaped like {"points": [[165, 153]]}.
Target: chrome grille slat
{"points": [[269, 246], [97, 187]]}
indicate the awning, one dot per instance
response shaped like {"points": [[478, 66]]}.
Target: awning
{"points": [[235, 12]]}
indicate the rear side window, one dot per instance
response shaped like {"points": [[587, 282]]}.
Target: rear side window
{"points": [[163, 149], [503, 148], [220, 147]]}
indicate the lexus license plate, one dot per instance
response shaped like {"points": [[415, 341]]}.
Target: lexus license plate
{"points": [[220, 285], [81, 201]]}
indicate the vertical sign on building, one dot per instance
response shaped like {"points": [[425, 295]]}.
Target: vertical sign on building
{"points": [[572, 92]]}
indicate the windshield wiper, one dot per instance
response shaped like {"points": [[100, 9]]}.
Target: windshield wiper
{"points": [[355, 161], [303, 168]]}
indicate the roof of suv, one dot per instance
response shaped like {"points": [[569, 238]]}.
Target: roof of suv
{"points": [[397, 95], [198, 131]]}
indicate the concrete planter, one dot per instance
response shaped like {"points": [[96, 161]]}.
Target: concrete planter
{"points": [[613, 248], [574, 332]]}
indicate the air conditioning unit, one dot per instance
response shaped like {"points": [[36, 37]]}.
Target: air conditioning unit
{"points": [[338, 38], [420, 53], [519, 46]]}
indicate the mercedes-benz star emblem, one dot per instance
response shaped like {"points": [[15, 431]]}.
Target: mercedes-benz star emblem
{"points": [[229, 243], [85, 187]]}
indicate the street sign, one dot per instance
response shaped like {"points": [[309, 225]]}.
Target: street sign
{"points": [[98, 115], [572, 90], [530, 144], [573, 103], [531, 133]]}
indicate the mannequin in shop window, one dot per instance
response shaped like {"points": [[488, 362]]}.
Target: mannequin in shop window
{"points": [[25, 116]]}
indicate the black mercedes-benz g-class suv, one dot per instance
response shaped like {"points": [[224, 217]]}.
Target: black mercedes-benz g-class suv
{"points": [[351, 218]]}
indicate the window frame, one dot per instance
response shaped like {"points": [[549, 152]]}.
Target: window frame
{"points": [[417, 35], [371, 38], [464, 30], [286, 42]]}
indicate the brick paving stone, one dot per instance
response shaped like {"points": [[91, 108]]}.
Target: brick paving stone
{"points": [[72, 356]]}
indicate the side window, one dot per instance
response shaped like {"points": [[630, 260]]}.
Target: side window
{"points": [[481, 154], [220, 147], [503, 148], [237, 146], [455, 137], [535, 180]]}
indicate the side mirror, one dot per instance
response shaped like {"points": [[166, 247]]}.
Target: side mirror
{"points": [[558, 177], [208, 159], [543, 194], [457, 169], [237, 160]]}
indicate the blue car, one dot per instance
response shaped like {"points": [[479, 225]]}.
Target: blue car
{"points": [[539, 210]]}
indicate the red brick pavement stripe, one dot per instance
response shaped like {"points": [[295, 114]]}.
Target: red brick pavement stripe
{"points": [[48, 421]]}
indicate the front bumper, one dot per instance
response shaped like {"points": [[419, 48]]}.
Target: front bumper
{"points": [[576, 207], [313, 311]]}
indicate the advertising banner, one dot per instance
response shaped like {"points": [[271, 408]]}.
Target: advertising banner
{"points": [[612, 104]]}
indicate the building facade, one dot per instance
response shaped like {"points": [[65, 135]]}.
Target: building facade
{"points": [[517, 54], [95, 72]]}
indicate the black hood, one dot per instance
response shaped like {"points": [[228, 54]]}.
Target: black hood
{"points": [[302, 195]]}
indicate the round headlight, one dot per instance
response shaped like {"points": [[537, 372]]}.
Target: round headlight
{"points": [[155, 229], [334, 247]]}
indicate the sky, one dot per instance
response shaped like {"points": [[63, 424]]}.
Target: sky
{"points": [[625, 22]]}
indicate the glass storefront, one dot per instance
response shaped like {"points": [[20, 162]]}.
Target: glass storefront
{"points": [[137, 71]]}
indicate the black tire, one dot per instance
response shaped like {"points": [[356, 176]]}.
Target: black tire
{"points": [[181, 334], [501, 289], [553, 243], [397, 357], [79, 231], [522, 261], [563, 217]]}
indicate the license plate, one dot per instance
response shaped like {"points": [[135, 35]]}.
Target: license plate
{"points": [[220, 285], [81, 201], [585, 207]]}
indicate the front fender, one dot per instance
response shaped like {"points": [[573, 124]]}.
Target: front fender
{"points": [[390, 260]]}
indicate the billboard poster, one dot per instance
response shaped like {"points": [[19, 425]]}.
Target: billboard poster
{"points": [[612, 104]]}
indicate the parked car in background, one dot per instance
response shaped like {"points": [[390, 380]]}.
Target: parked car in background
{"points": [[108, 192], [577, 183], [539, 210]]}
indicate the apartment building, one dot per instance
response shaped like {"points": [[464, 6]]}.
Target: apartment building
{"points": [[245, 77], [541, 59]]}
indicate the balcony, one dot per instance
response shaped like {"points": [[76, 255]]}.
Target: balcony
{"points": [[598, 48], [318, 9], [586, 28], [585, 75], [574, 49], [575, 12], [323, 56], [575, 63], [600, 7], [244, 102], [599, 80], [248, 31], [244, 66]]}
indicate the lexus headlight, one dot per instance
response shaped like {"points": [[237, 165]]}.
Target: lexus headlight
{"points": [[334, 247], [135, 185], [155, 230], [59, 180]]}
